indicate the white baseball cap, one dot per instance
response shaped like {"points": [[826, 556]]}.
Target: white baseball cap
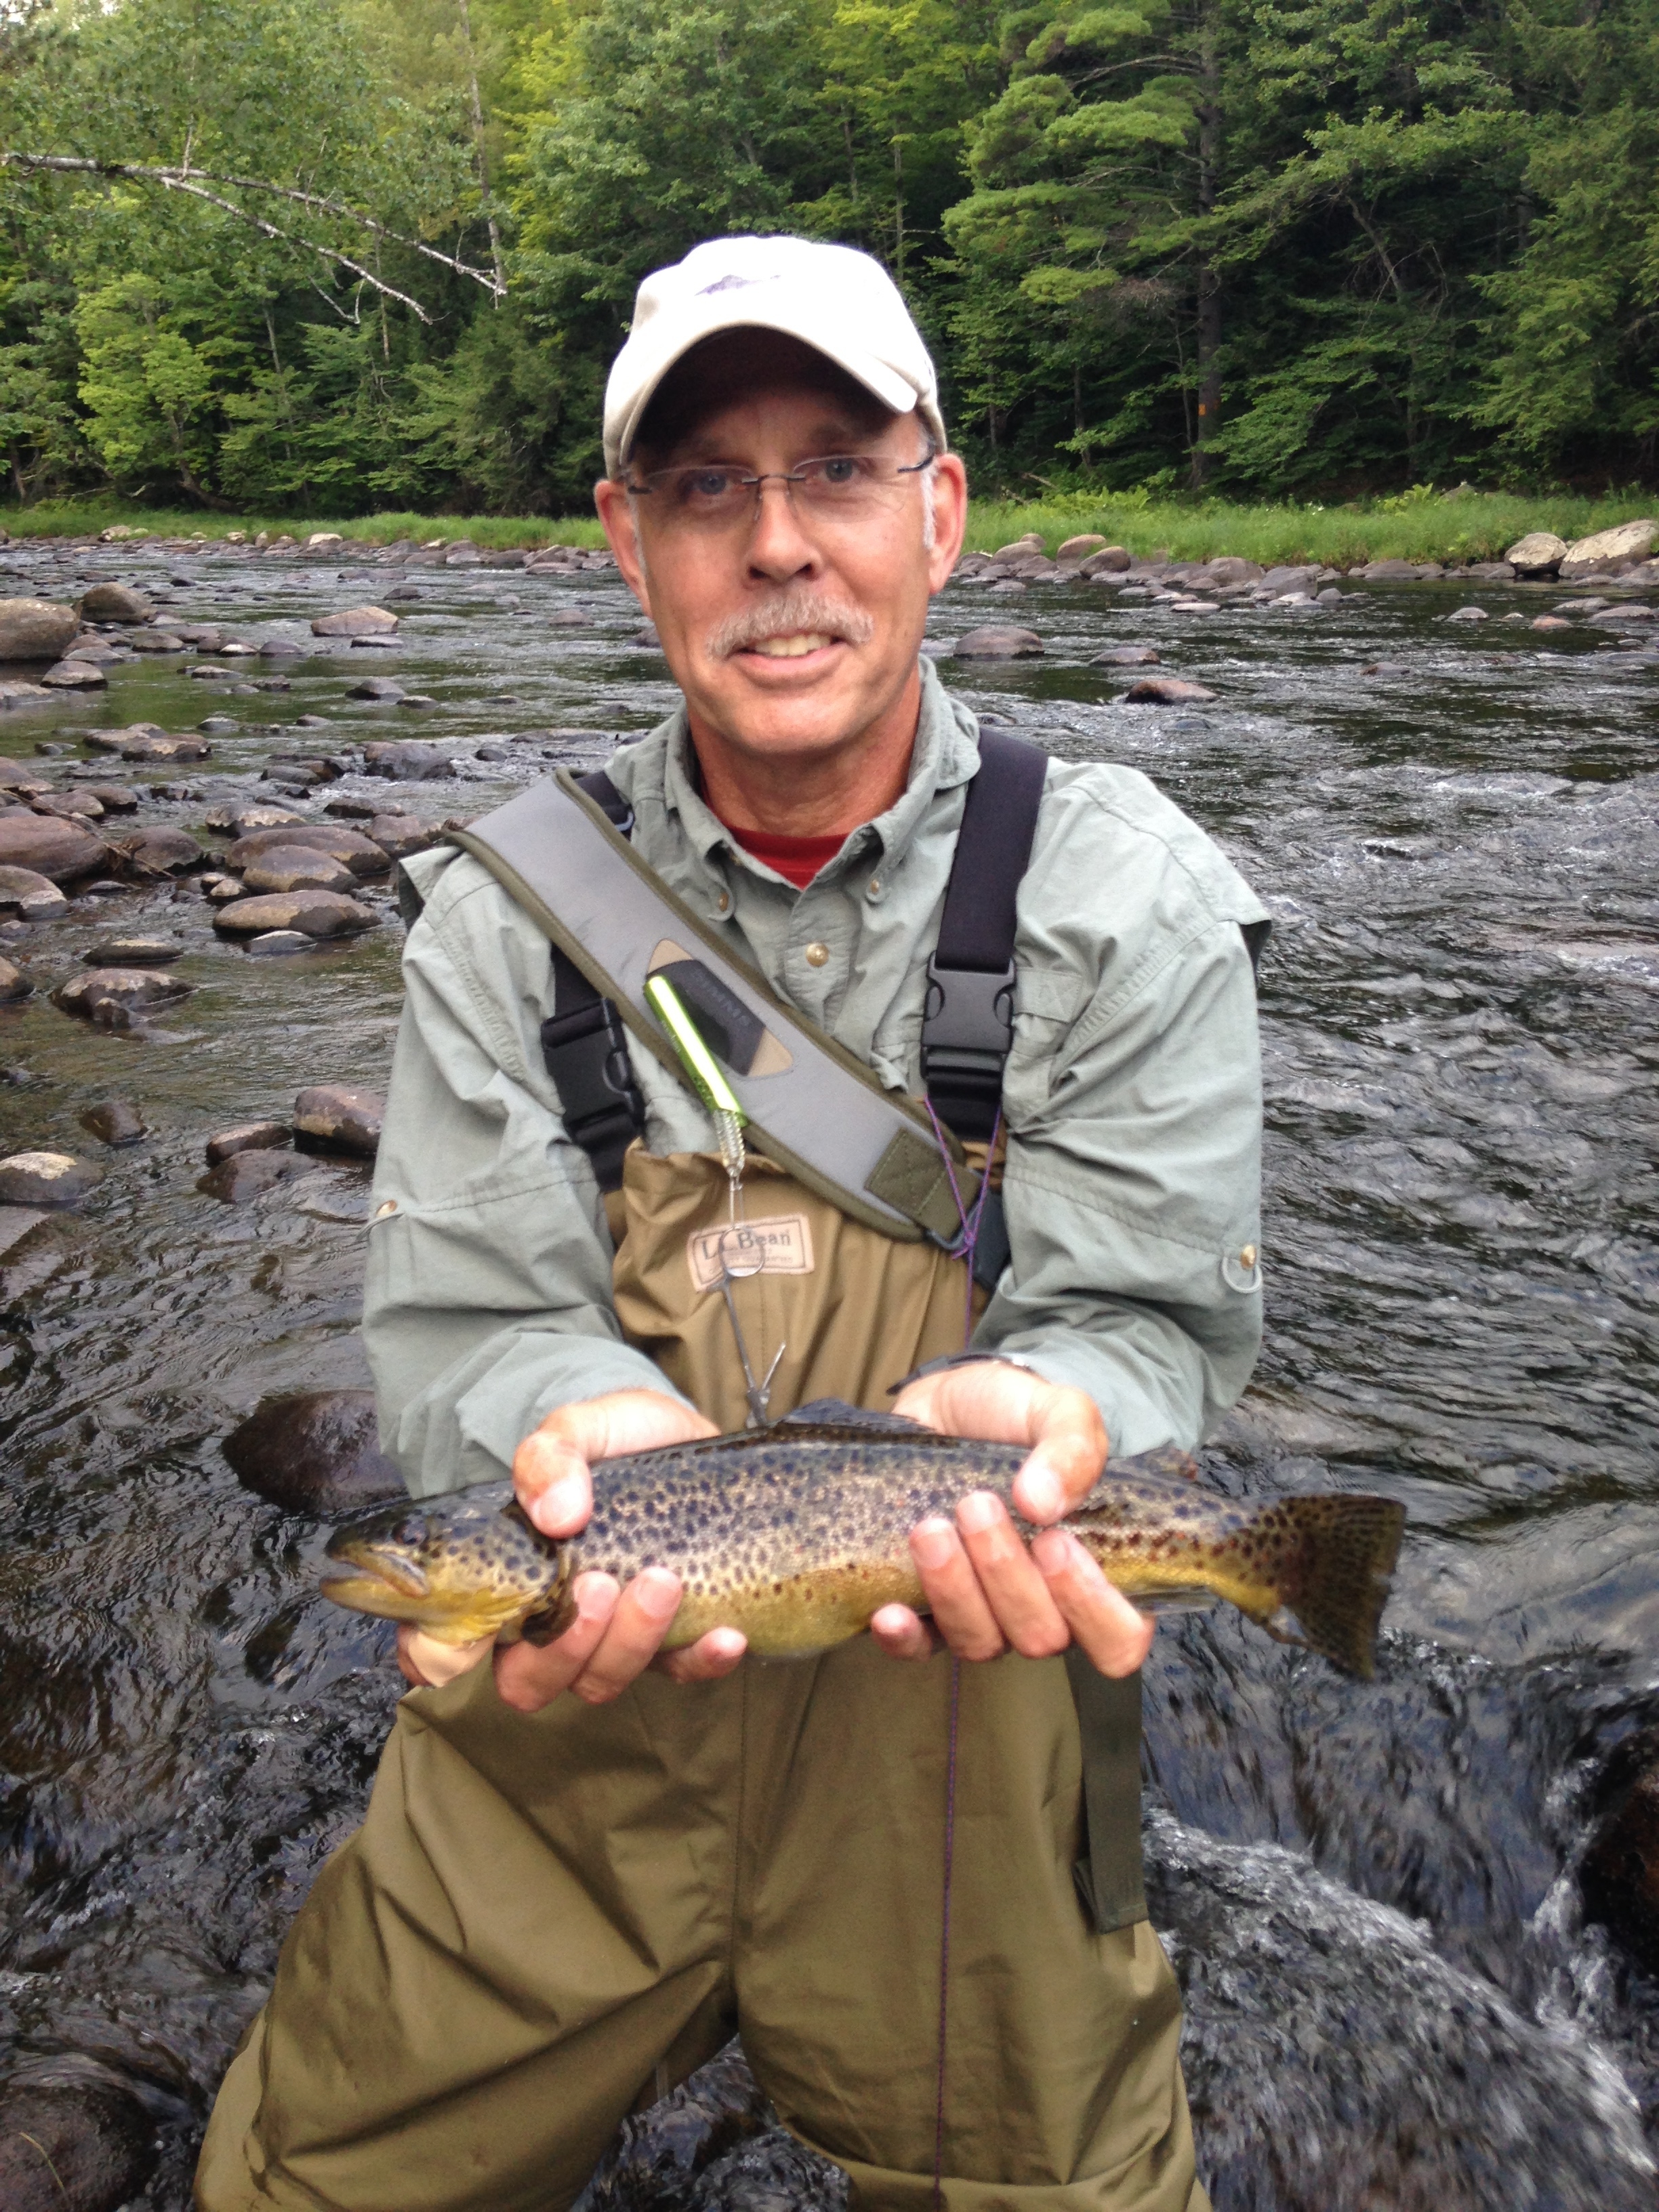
{"points": [[836, 299]]}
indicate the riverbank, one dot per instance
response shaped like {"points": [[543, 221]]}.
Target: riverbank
{"points": [[1450, 528]]}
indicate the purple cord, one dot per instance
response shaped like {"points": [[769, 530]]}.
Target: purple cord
{"points": [[967, 1244]]}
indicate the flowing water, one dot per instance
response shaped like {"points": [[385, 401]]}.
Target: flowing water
{"points": [[1370, 1890]]}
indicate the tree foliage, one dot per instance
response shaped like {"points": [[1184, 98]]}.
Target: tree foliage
{"points": [[335, 255]]}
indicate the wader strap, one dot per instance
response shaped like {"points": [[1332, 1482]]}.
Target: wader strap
{"points": [[812, 1107], [967, 1028], [1109, 1874]]}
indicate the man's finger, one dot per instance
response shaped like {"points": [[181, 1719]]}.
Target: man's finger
{"points": [[1069, 1452], [707, 1659], [529, 1676], [427, 1663], [958, 1603], [903, 1634], [1014, 1588], [1116, 1635], [551, 1479], [632, 1637]]}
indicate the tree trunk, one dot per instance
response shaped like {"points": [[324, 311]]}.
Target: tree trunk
{"points": [[478, 149], [1208, 284]]}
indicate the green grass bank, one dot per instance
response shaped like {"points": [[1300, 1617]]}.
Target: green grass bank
{"points": [[1419, 526]]}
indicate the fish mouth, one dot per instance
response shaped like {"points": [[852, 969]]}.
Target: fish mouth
{"points": [[369, 1562]]}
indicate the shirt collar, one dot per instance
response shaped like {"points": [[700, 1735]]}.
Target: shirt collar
{"points": [[945, 755]]}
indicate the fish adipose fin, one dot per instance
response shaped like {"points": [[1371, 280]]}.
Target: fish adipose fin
{"points": [[1340, 1583]]}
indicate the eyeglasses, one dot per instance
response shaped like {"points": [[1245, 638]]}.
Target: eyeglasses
{"points": [[835, 486]]}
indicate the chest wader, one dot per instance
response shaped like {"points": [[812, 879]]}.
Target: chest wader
{"points": [[546, 1919]]}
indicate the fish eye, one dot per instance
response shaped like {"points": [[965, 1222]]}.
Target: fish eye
{"points": [[412, 1529]]}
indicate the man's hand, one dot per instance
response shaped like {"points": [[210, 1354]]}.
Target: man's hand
{"points": [[986, 1591], [617, 1631]]}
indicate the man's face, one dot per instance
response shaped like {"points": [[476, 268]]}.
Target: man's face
{"points": [[792, 628]]}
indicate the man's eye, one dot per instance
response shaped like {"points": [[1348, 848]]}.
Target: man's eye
{"points": [[707, 483], [842, 468]]}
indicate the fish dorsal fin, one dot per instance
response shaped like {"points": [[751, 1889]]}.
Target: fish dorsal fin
{"points": [[836, 1414]]}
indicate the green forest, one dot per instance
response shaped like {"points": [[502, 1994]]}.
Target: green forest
{"points": [[341, 256]]}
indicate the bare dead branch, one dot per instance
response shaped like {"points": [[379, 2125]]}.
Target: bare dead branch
{"points": [[191, 179]]}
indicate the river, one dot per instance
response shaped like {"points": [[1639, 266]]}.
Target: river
{"points": [[1370, 1890]]}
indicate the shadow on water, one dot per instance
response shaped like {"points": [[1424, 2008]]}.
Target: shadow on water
{"points": [[1369, 1891]]}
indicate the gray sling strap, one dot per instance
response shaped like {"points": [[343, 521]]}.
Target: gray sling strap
{"points": [[813, 1108]]}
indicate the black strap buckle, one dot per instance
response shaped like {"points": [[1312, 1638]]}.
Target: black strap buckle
{"points": [[967, 1034], [587, 1057]]}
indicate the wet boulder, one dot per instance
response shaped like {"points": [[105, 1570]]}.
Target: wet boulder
{"points": [[116, 603], [157, 640], [133, 952], [116, 1121], [113, 798], [160, 850], [47, 846], [398, 835], [334, 1118], [277, 943], [16, 779], [361, 854], [1110, 560], [46, 1179], [74, 675], [131, 989], [297, 868], [386, 689], [36, 629], [29, 894], [1077, 549], [997, 641], [316, 1453], [1167, 691], [1226, 570], [247, 1175], [317, 914], [14, 984], [1620, 1876], [67, 804], [73, 2146], [408, 760], [355, 622], [154, 745], [247, 1137], [246, 819], [1126, 656]]}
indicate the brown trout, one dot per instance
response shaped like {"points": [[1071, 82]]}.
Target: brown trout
{"points": [[797, 1534]]}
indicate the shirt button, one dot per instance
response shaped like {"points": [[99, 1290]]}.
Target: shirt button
{"points": [[723, 903], [873, 889], [817, 955]]}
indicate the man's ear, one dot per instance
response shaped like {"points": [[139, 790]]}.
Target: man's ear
{"points": [[950, 520], [616, 511]]}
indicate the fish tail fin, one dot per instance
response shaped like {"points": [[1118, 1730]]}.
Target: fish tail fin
{"points": [[1347, 1551]]}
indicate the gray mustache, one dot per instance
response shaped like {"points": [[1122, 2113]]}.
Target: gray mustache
{"points": [[784, 614]]}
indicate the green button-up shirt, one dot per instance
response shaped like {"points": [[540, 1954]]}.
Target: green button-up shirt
{"points": [[1133, 1100]]}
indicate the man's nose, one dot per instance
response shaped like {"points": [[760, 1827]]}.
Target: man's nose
{"points": [[779, 549]]}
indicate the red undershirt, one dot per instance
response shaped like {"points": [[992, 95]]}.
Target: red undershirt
{"points": [[797, 859]]}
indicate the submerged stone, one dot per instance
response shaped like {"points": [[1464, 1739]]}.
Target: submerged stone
{"points": [[318, 1452], [73, 2146]]}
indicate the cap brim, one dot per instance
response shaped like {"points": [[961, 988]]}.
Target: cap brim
{"points": [[878, 377]]}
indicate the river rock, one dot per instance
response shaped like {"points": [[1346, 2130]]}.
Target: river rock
{"points": [[115, 603], [1468, 615], [50, 847], [22, 694], [296, 868], [1550, 622], [160, 850], [361, 855], [1076, 550], [128, 987], [246, 820], [408, 760], [1031, 543], [67, 805], [667, 2154], [74, 675], [384, 688], [1620, 1876], [316, 1453], [398, 835], [278, 944], [26, 781], [247, 1137], [36, 629], [157, 640], [316, 913], [133, 952], [570, 618], [152, 746], [1227, 569], [247, 1176], [646, 637], [336, 1119], [14, 983], [1110, 560], [997, 641], [117, 1121], [1166, 691], [355, 622], [1607, 552], [113, 798], [30, 896], [46, 1179], [73, 2146], [1124, 656]]}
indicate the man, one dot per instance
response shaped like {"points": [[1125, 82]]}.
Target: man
{"points": [[584, 1867]]}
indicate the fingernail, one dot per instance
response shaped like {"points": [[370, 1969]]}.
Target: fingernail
{"points": [[596, 1596], [658, 1593], [932, 1543], [978, 1511], [559, 1505], [1043, 1497]]}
